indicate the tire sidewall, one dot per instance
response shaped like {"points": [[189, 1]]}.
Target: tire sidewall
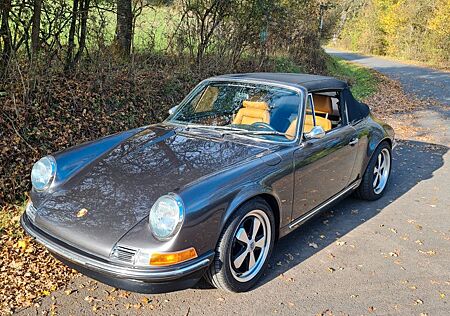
{"points": [[370, 168], [227, 240]]}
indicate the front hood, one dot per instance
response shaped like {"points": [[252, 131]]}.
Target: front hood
{"points": [[118, 188]]}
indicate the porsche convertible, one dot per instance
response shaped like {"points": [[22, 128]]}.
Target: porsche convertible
{"points": [[242, 161]]}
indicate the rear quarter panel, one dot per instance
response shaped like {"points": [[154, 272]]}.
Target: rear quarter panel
{"points": [[371, 132]]}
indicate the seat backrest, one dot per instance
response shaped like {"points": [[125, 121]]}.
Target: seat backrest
{"points": [[252, 112], [309, 124], [322, 104]]}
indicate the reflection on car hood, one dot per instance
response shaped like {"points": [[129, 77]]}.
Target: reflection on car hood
{"points": [[119, 188]]}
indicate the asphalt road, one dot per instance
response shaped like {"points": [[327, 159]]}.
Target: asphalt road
{"points": [[423, 82], [391, 256]]}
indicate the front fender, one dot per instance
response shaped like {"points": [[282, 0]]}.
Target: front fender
{"points": [[247, 192], [73, 159]]}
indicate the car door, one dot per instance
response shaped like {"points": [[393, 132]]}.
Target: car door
{"points": [[323, 167]]}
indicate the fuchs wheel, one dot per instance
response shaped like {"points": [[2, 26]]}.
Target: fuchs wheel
{"points": [[243, 248], [376, 176]]}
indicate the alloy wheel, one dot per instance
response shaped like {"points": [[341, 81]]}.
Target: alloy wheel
{"points": [[381, 171], [250, 246]]}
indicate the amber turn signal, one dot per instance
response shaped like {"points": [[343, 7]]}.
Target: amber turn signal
{"points": [[169, 258]]}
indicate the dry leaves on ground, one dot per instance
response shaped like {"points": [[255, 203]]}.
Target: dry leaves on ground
{"points": [[27, 270]]}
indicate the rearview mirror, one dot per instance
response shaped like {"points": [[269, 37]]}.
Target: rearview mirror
{"points": [[173, 109], [316, 133]]}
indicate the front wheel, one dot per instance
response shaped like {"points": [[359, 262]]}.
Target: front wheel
{"points": [[376, 176], [243, 248]]}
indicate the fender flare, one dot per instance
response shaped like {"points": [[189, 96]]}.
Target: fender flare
{"points": [[372, 146], [246, 193]]}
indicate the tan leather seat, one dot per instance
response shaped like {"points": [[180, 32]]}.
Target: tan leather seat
{"points": [[309, 124], [252, 112], [322, 104]]}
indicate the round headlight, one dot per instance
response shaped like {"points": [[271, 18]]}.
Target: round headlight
{"points": [[43, 173], [166, 216]]}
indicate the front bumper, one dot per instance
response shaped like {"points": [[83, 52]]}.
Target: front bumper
{"points": [[144, 280]]}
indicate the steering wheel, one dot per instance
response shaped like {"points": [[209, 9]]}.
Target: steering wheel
{"points": [[263, 126]]}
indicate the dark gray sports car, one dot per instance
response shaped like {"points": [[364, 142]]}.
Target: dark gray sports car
{"points": [[242, 161]]}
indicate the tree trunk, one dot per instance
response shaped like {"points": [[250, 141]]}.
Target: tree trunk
{"points": [[124, 27], [71, 39], [5, 35], [37, 8], [84, 9]]}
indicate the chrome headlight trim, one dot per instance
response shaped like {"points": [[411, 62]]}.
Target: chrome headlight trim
{"points": [[43, 173], [156, 216]]}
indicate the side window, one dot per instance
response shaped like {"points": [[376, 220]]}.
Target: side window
{"points": [[327, 110]]}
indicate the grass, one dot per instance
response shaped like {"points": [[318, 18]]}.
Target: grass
{"points": [[363, 81]]}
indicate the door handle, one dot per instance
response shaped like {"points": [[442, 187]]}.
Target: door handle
{"points": [[354, 141]]}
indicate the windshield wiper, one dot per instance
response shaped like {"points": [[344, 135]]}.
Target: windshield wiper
{"points": [[234, 130], [227, 128], [261, 133]]}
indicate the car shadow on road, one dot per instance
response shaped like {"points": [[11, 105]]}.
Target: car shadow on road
{"points": [[413, 162]]}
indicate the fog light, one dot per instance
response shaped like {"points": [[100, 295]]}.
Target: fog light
{"points": [[169, 258]]}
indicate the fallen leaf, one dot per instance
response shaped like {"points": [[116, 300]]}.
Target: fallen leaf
{"points": [[145, 300], [429, 252], [22, 244], [70, 291]]}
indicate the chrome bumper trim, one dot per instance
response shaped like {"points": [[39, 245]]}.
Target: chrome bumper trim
{"points": [[109, 268]]}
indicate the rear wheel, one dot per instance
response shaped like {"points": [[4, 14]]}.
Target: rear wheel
{"points": [[376, 176], [244, 248]]}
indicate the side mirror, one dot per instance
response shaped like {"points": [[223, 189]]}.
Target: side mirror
{"points": [[316, 133], [173, 109]]}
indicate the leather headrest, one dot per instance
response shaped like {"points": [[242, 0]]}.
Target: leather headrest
{"points": [[261, 105]]}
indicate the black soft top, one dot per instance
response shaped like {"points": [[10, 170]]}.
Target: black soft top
{"points": [[355, 109], [309, 82]]}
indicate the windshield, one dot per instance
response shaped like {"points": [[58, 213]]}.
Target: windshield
{"points": [[255, 110]]}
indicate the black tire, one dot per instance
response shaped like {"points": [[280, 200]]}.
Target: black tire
{"points": [[221, 274], [366, 189]]}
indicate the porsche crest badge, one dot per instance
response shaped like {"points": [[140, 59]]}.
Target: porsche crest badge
{"points": [[82, 212]]}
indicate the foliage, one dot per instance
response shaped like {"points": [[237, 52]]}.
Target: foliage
{"points": [[363, 81], [76, 84], [411, 29]]}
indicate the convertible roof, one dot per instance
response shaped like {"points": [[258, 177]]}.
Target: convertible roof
{"points": [[310, 82]]}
